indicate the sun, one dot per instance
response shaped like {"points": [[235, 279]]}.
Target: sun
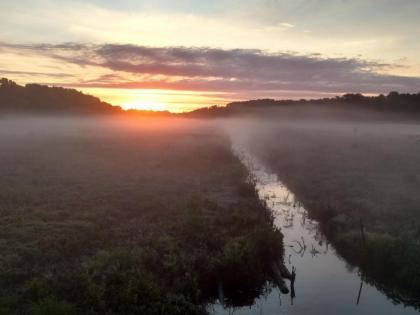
{"points": [[144, 105]]}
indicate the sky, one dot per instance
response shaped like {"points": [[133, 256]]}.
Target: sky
{"points": [[184, 54]]}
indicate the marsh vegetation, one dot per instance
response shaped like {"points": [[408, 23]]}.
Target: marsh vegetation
{"points": [[361, 180], [108, 212], [126, 216]]}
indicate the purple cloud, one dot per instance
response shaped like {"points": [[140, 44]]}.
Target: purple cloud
{"points": [[225, 70]]}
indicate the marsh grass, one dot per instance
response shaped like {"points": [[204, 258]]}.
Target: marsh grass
{"points": [[125, 216], [348, 172]]}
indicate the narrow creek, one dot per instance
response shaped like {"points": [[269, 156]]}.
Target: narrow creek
{"points": [[325, 283]]}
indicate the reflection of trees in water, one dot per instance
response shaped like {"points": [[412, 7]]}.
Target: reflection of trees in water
{"points": [[233, 299], [392, 292]]}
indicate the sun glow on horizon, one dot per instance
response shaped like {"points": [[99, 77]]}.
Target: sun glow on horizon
{"points": [[174, 101], [145, 105]]}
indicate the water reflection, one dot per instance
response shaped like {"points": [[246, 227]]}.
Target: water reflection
{"points": [[322, 281]]}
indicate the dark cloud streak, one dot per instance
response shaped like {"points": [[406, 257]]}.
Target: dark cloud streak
{"points": [[32, 73]]}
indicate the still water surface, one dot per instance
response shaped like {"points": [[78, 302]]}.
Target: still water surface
{"points": [[325, 283]]}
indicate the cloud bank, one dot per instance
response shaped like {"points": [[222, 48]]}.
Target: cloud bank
{"points": [[222, 70]]}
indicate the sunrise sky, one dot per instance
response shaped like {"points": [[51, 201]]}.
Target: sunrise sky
{"points": [[183, 54]]}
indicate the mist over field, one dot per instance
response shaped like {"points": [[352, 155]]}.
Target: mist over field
{"points": [[138, 202], [81, 193], [350, 173], [209, 157]]}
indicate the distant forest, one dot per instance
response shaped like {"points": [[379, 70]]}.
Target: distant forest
{"points": [[38, 98], [41, 98], [394, 102]]}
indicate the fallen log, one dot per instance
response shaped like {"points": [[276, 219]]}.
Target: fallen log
{"points": [[278, 278], [285, 273]]}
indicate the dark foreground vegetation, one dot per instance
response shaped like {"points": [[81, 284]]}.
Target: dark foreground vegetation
{"points": [[362, 182], [102, 216]]}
